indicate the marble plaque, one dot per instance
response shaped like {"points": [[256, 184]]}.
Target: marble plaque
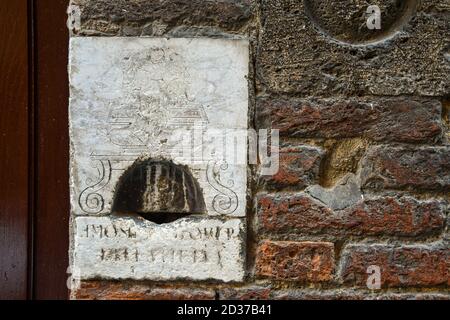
{"points": [[158, 146], [121, 248]]}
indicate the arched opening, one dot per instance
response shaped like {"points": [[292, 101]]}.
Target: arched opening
{"points": [[159, 191]]}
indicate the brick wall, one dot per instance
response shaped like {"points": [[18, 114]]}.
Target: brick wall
{"points": [[364, 175]]}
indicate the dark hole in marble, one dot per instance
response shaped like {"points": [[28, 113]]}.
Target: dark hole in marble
{"points": [[158, 191]]}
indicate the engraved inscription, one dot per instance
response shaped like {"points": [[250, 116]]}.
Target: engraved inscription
{"points": [[120, 254], [144, 204], [137, 98], [217, 233], [109, 231], [207, 248]]}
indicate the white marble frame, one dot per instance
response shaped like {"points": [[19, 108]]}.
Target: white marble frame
{"points": [[123, 90]]}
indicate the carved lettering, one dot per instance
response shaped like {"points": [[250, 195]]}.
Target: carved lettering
{"points": [[119, 255], [136, 249], [108, 231], [207, 234], [170, 255]]}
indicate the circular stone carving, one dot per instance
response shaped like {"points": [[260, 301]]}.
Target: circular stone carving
{"points": [[346, 20]]}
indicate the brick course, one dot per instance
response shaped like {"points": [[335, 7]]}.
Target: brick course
{"points": [[425, 169], [382, 119], [401, 266], [106, 290], [379, 216]]}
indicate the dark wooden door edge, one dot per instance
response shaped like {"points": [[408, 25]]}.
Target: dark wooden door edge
{"points": [[34, 149], [51, 202], [31, 148], [14, 149]]}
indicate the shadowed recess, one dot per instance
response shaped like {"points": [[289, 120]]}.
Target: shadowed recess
{"points": [[159, 191]]}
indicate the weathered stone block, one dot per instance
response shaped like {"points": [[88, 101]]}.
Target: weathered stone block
{"points": [[323, 48], [144, 17], [135, 101], [149, 121], [344, 194], [125, 248], [406, 168]]}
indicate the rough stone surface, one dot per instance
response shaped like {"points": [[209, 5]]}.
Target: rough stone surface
{"points": [[446, 118], [354, 295], [104, 290], [127, 248], [148, 121], [342, 158], [364, 125], [299, 168], [406, 168], [377, 119], [245, 293], [377, 216], [270, 293], [296, 56], [295, 261], [346, 193], [401, 266], [135, 98], [143, 17], [345, 20]]}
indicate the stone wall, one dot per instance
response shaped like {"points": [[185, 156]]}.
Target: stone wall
{"points": [[363, 115]]}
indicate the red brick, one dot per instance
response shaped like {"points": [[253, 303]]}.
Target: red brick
{"points": [[295, 261], [299, 168], [109, 290], [378, 216], [407, 168], [380, 119], [401, 266]]}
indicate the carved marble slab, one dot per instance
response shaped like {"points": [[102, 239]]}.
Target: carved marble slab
{"points": [[198, 249], [179, 109]]}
